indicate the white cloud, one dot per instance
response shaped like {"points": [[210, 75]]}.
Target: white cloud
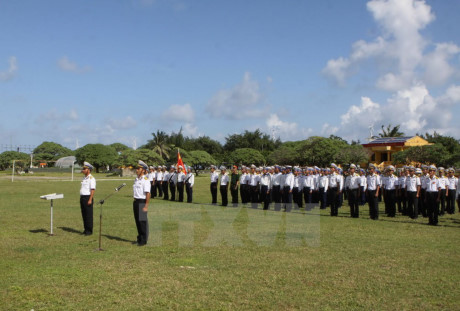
{"points": [[179, 113], [125, 123], [57, 116], [66, 65], [286, 130], [241, 102], [11, 71], [438, 69]]}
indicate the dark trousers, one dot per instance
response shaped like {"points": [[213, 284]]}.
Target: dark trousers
{"points": [[432, 207], [172, 189], [412, 204], [422, 203], [87, 214], [373, 204], [307, 195], [322, 198], [180, 191], [142, 224], [264, 196], [297, 196], [276, 194], [402, 201], [224, 194], [244, 193], [442, 201], [254, 190], [189, 192], [234, 194], [451, 202], [153, 189], [353, 201], [165, 190], [160, 188], [363, 196], [287, 198], [213, 189], [332, 198], [390, 201]]}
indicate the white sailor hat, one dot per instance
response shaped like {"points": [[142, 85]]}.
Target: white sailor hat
{"points": [[418, 171], [180, 166], [441, 168], [141, 164], [372, 166], [425, 167], [223, 168], [432, 168], [88, 166], [451, 170], [352, 166], [333, 165], [151, 167], [253, 166], [411, 168], [288, 167], [391, 168], [213, 167]]}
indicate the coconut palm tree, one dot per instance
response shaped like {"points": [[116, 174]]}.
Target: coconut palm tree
{"points": [[391, 131], [159, 144]]}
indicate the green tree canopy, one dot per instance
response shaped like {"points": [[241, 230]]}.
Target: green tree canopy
{"points": [[7, 157], [429, 154], [98, 155], [283, 156], [204, 143], [131, 157], [199, 159], [390, 131], [246, 156], [353, 154], [50, 151], [254, 140], [119, 147], [320, 151]]}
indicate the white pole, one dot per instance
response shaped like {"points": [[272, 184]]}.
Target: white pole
{"points": [[31, 158], [12, 173], [73, 163], [51, 217]]}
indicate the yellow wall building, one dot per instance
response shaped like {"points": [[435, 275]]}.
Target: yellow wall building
{"points": [[382, 149]]}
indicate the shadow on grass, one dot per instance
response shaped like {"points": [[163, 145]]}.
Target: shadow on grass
{"points": [[38, 231], [116, 238], [71, 230]]}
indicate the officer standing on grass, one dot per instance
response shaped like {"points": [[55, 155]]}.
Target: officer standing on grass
{"points": [[141, 194], [234, 183], [373, 188], [189, 182], [353, 186], [214, 179], [432, 196], [88, 187]]}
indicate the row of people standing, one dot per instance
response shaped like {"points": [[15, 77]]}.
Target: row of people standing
{"points": [[165, 184], [285, 186]]}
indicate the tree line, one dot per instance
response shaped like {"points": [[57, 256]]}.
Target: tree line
{"points": [[249, 147]]}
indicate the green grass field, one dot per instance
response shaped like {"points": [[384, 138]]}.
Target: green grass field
{"points": [[208, 257]]}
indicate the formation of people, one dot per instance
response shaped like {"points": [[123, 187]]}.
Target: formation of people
{"points": [[426, 191]]}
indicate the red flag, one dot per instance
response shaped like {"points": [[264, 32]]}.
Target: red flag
{"points": [[179, 162]]}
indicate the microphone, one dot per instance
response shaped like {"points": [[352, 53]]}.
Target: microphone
{"points": [[120, 186]]}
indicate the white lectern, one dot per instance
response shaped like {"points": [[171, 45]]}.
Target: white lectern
{"points": [[52, 197]]}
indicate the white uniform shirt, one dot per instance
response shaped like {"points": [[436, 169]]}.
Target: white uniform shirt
{"points": [[243, 179], [373, 181], [224, 179], [412, 182], [363, 181], [452, 183], [289, 181], [88, 183], [432, 184], [180, 177], [402, 182], [141, 186], [172, 178], [443, 182], [266, 180], [190, 179], [335, 181], [254, 179], [353, 181], [166, 176], [159, 176], [391, 182], [323, 182], [214, 177], [151, 176]]}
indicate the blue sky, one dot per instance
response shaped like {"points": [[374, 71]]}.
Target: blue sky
{"points": [[116, 71]]}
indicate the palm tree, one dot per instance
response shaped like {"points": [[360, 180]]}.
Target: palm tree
{"points": [[159, 144], [391, 131]]}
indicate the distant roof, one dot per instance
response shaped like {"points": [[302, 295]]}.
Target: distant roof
{"points": [[388, 141], [65, 161]]}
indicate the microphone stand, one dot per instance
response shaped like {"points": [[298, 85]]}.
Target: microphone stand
{"points": [[101, 202]]}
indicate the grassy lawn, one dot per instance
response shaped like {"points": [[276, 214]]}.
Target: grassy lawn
{"points": [[207, 257]]}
